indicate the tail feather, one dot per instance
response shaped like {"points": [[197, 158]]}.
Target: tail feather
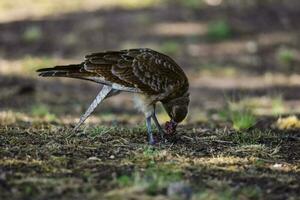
{"points": [[72, 71]]}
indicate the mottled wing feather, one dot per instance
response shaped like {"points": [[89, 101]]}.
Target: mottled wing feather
{"points": [[157, 71], [102, 64], [145, 69], [116, 67], [125, 72]]}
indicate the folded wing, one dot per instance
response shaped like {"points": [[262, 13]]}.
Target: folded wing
{"points": [[142, 70]]}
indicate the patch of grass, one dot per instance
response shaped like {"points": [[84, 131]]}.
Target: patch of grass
{"points": [[150, 152], [32, 34], [100, 130], [170, 47], [241, 119], [239, 114], [245, 138], [286, 56], [125, 181], [42, 111], [249, 138], [219, 30], [141, 128]]}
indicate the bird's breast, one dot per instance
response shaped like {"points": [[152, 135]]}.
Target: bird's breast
{"points": [[143, 102]]}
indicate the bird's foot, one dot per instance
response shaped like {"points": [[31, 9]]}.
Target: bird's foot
{"points": [[152, 142]]}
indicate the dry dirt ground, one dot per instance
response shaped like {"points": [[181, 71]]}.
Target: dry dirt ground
{"points": [[242, 62]]}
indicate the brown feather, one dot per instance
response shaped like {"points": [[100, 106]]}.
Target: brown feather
{"points": [[145, 69], [149, 71]]}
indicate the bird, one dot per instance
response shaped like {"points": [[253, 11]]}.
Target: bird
{"points": [[151, 76]]}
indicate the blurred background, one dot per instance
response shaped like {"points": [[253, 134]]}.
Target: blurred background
{"points": [[236, 53]]}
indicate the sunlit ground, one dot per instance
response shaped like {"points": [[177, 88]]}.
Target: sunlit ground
{"points": [[240, 140]]}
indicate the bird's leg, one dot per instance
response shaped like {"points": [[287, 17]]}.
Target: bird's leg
{"points": [[149, 110], [160, 129], [149, 130], [105, 91]]}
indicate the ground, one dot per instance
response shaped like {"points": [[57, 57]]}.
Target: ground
{"points": [[241, 139]]}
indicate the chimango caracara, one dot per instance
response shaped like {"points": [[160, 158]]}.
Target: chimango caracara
{"points": [[153, 77]]}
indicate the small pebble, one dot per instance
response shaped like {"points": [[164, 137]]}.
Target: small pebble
{"points": [[93, 158], [278, 165]]}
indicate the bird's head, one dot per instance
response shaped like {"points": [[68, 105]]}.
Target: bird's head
{"points": [[177, 110]]}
